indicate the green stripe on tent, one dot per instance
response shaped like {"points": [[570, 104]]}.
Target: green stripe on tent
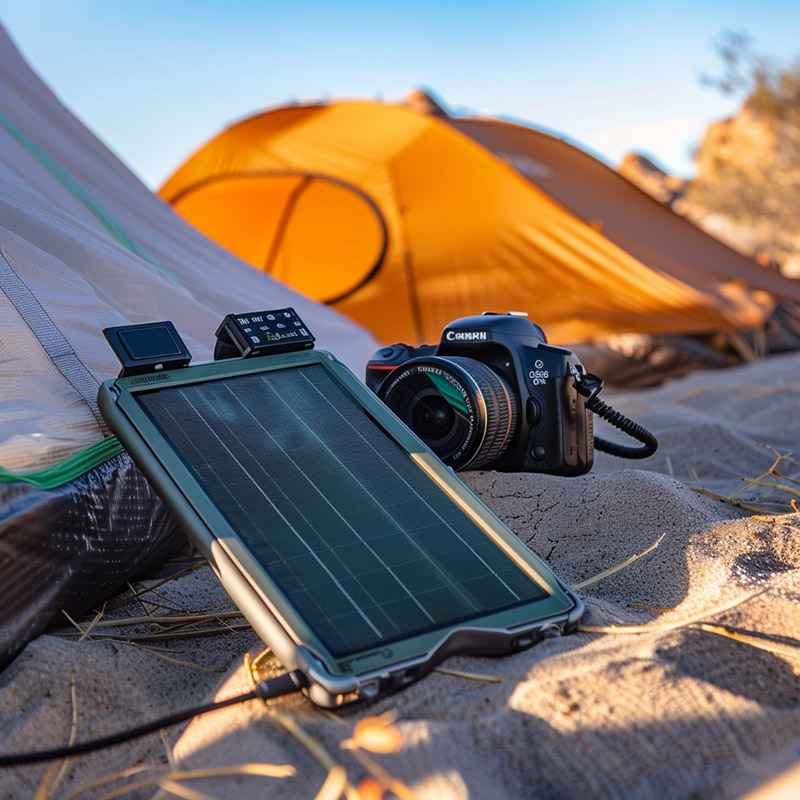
{"points": [[75, 466], [108, 222]]}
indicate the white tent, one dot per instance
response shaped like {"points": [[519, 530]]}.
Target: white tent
{"points": [[85, 245]]}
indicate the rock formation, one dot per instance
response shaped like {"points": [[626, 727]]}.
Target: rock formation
{"points": [[746, 190]]}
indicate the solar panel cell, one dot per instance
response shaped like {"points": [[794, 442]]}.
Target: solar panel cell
{"points": [[309, 483]]}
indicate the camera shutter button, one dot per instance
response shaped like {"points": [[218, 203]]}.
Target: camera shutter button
{"points": [[533, 411]]}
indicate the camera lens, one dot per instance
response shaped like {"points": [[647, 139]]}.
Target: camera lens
{"points": [[464, 411], [433, 417]]}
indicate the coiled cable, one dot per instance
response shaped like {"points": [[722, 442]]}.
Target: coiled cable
{"points": [[590, 386]]}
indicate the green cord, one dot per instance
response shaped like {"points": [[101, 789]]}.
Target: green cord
{"points": [[73, 467]]}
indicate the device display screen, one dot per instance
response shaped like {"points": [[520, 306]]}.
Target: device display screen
{"points": [[310, 484]]}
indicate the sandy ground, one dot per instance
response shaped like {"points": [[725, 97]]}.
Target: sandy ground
{"points": [[676, 711]]}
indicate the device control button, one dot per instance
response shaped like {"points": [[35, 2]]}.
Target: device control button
{"points": [[386, 352], [533, 411], [522, 641], [402, 679], [368, 691], [538, 452]]}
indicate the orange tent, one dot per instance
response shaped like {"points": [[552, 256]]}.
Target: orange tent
{"points": [[405, 218]]}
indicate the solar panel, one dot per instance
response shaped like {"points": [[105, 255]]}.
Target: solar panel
{"points": [[309, 482]]}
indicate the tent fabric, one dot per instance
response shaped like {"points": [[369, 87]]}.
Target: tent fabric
{"points": [[61, 268], [68, 547], [479, 214], [632, 219], [85, 245]]}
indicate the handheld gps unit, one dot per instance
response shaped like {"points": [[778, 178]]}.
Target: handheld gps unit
{"points": [[356, 555]]}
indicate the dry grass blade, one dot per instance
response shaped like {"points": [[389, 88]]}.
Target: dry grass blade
{"points": [[386, 781], [167, 750], [43, 792], [376, 734], [312, 745], [54, 776], [643, 607], [293, 728], [169, 619], [176, 661], [184, 634], [759, 481], [778, 648], [612, 570], [470, 676], [167, 635], [264, 770], [778, 459], [106, 779], [755, 482], [179, 790], [399, 789], [72, 621], [765, 392], [670, 626], [135, 595], [192, 558], [736, 503], [785, 477], [334, 786], [92, 624], [73, 732]]}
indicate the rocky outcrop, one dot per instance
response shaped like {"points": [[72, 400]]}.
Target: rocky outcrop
{"points": [[746, 190], [639, 169]]}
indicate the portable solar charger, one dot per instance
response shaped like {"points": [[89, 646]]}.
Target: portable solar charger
{"points": [[357, 556]]}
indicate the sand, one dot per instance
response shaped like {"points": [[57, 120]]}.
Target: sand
{"points": [[676, 711]]}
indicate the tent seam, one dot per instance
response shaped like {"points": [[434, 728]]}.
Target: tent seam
{"points": [[111, 226], [306, 175], [51, 338]]}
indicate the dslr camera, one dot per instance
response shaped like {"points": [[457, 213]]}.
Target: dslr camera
{"points": [[493, 394]]}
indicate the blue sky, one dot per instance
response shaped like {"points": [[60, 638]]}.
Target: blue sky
{"points": [[156, 79]]}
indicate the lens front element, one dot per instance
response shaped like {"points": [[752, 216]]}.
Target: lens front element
{"points": [[459, 407]]}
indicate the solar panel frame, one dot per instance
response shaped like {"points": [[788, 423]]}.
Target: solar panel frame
{"points": [[258, 595]]}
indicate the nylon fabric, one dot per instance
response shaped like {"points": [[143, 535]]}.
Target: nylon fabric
{"points": [[50, 337], [83, 279], [69, 547], [85, 246], [481, 214], [69, 182]]}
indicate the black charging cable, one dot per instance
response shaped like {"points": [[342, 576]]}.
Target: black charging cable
{"points": [[287, 683], [590, 387]]}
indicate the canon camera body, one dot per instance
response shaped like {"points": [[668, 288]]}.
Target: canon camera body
{"points": [[492, 395]]}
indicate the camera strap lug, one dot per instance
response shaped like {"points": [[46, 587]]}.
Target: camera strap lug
{"points": [[590, 387]]}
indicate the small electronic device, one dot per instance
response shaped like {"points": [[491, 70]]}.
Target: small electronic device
{"points": [[358, 557], [146, 348], [493, 394], [248, 335]]}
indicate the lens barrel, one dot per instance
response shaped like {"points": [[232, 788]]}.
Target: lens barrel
{"points": [[463, 410]]}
